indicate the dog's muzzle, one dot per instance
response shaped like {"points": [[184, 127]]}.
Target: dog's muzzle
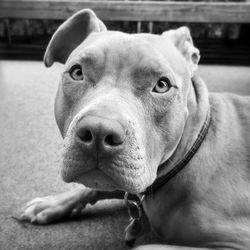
{"points": [[105, 148]]}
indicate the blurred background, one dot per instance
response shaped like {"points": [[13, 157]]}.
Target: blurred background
{"points": [[26, 26], [30, 142]]}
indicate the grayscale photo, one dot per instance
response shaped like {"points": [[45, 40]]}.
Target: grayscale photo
{"points": [[124, 124]]}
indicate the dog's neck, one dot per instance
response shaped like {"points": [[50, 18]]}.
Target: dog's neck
{"points": [[198, 108], [195, 130]]}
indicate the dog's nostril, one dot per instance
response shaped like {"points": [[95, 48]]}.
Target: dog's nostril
{"points": [[113, 140], [86, 136]]}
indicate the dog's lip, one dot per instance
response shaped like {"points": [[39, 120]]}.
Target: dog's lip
{"points": [[73, 175], [113, 184]]}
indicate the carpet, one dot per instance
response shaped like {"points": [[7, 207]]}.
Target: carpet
{"points": [[30, 146]]}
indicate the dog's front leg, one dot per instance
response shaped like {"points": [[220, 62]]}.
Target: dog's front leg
{"points": [[51, 208]]}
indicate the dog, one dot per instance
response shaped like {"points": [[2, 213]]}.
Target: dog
{"points": [[136, 119]]}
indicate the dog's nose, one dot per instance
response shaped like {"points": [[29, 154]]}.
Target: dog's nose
{"points": [[100, 134]]}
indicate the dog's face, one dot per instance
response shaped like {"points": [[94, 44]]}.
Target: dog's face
{"points": [[121, 105]]}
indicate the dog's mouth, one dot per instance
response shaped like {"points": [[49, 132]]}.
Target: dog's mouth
{"points": [[125, 171], [94, 178]]}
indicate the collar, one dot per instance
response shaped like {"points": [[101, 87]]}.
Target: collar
{"points": [[134, 203], [160, 181]]}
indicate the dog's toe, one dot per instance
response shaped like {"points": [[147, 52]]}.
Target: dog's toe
{"points": [[49, 215], [46, 210], [43, 210], [29, 212], [35, 201]]}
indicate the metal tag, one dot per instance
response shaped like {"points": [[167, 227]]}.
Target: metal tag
{"points": [[134, 228]]}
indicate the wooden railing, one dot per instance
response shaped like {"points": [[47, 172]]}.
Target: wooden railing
{"points": [[202, 12]]}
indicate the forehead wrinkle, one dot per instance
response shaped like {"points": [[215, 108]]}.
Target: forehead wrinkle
{"points": [[145, 76], [153, 66], [92, 57], [150, 68], [117, 59], [126, 49], [89, 57]]}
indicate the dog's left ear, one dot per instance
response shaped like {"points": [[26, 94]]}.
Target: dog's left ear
{"points": [[182, 39]]}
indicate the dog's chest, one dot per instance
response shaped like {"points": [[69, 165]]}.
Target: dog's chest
{"points": [[176, 219]]}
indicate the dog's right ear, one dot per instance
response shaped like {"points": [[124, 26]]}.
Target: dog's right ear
{"points": [[71, 34], [182, 39]]}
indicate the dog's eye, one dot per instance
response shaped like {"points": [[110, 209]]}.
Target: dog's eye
{"points": [[162, 85], [76, 73]]}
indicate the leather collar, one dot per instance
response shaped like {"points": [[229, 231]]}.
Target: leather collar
{"points": [[160, 181]]}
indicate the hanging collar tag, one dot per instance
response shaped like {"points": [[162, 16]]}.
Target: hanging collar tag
{"points": [[134, 228]]}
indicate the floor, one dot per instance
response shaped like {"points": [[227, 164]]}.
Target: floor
{"points": [[30, 155]]}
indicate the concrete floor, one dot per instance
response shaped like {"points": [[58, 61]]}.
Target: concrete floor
{"points": [[30, 155]]}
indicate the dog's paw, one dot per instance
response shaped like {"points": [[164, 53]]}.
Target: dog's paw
{"points": [[50, 208]]}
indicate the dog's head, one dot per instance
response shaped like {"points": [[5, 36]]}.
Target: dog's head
{"points": [[121, 105]]}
